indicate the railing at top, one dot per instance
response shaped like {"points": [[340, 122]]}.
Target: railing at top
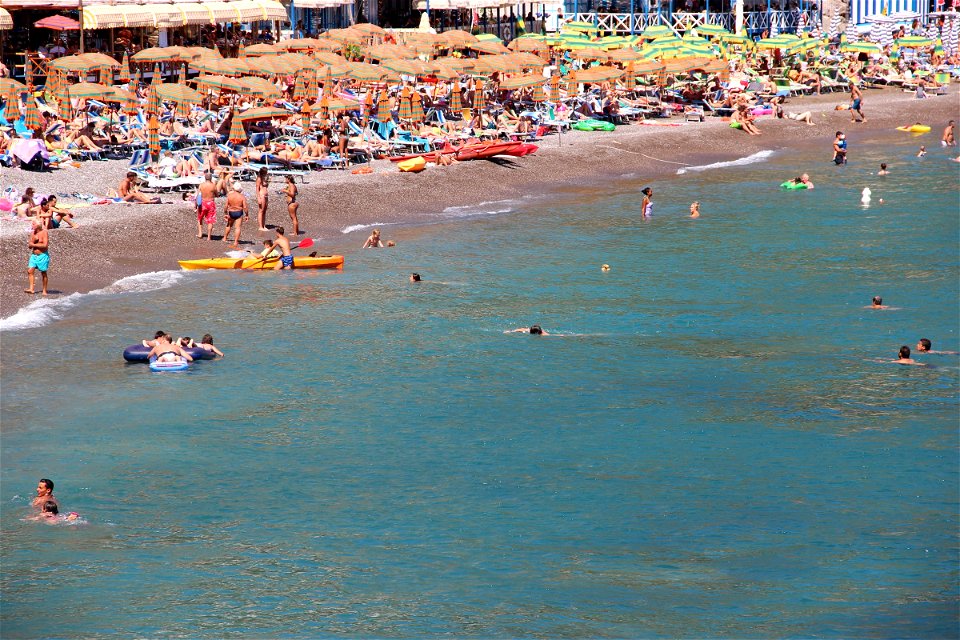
{"points": [[753, 21]]}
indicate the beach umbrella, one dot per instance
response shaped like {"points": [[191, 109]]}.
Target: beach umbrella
{"points": [[656, 31], [538, 95], [579, 27], [555, 87], [313, 86], [383, 107], [478, 98], [299, 44], [631, 83], [712, 30], [329, 103], [63, 102], [328, 80], [237, 133], [365, 72], [595, 74], [153, 97], [241, 50], [12, 110], [305, 115], [852, 34], [528, 43], [406, 110], [404, 67], [329, 57], [257, 50], [264, 113], [153, 136], [834, 30], [6, 84], [259, 88], [219, 66], [125, 70], [368, 29], [345, 36], [57, 23], [179, 93], [860, 47], [488, 47], [131, 103], [28, 71], [521, 81], [456, 99], [416, 107], [623, 55], [915, 42], [156, 54], [221, 82], [300, 87], [74, 64], [87, 90], [388, 51]]}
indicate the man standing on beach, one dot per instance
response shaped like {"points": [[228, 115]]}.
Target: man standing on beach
{"points": [[948, 140], [856, 102], [207, 211], [39, 256]]}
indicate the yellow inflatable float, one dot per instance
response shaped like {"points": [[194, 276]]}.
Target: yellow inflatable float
{"points": [[413, 165], [915, 128]]}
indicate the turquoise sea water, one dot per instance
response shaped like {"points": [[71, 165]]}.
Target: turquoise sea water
{"points": [[713, 444]]}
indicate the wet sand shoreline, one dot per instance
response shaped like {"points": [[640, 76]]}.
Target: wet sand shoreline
{"points": [[116, 241]]}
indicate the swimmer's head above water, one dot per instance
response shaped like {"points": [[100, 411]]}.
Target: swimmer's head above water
{"points": [[414, 277], [536, 330], [924, 345], [877, 301]]}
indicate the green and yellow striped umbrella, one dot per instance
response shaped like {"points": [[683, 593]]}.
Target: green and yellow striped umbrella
{"points": [[383, 107], [153, 136], [712, 30], [938, 47], [125, 69], [656, 31], [860, 47], [416, 107], [237, 133], [579, 27], [406, 110], [915, 42], [456, 99], [12, 111]]}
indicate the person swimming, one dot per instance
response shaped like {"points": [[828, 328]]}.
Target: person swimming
{"points": [[883, 169], [534, 330], [926, 346], [415, 277], [903, 357], [877, 303]]}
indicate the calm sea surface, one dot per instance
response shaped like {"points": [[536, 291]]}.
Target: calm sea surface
{"points": [[713, 443]]}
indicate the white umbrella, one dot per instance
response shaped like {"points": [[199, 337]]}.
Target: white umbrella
{"points": [[852, 34], [834, 26]]}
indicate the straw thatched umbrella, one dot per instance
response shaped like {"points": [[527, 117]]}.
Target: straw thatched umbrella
{"points": [[12, 111], [125, 69], [31, 114], [383, 107], [456, 99], [405, 112], [416, 107], [237, 133], [153, 136]]}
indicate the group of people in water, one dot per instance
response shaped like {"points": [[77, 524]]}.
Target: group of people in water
{"points": [[163, 348], [46, 508], [924, 345]]}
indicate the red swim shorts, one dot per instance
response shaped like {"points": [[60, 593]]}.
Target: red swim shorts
{"points": [[207, 212]]}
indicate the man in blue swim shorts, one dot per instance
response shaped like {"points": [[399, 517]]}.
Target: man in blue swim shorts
{"points": [[856, 100], [39, 257], [283, 245]]}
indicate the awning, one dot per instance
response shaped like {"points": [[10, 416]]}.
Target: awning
{"points": [[138, 15], [103, 16], [193, 12], [167, 15], [273, 10], [6, 22], [249, 10], [222, 12], [324, 4]]}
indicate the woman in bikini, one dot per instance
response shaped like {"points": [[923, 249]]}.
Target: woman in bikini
{"points": [[290, 190], [263, 182]]}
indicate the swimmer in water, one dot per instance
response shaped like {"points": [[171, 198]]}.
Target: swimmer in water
{"points": [[903, 357], [925, 346], [646, 206], [922, 152], [50, 513], [152, 343], [877, 303], [414, 277], [44, 493], [534, 330], [805, 179], [883, 169], [695, 210]]}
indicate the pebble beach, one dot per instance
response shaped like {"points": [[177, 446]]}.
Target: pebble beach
{"points": [[119, 240]]}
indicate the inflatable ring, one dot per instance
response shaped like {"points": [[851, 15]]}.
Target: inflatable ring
{"points": [[736, 125], [790, 184], [138, 353]]}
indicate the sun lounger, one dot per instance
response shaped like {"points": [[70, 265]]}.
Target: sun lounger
{"points": [[150, 182]]}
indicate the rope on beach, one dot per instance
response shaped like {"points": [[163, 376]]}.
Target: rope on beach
{"points": [[643, 154]]}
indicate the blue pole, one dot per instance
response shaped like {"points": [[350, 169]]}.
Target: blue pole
{"points": [[576, 8], [707, 19], [428, 9], [632, 20], [670, 14], [769, 21]]}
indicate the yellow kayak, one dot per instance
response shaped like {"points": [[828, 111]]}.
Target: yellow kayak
{"points": [[915, 128], [299, 262]]}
